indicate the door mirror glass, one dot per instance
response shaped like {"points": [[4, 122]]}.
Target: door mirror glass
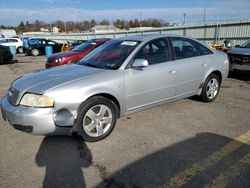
{"points": [[140, 63]]}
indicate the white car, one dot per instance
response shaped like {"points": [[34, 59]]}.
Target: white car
{"points": [[18, 43]]}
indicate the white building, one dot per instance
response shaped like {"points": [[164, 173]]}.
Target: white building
{"points": [[44, 30], [7, 33], [104, 29], [55, 30]]}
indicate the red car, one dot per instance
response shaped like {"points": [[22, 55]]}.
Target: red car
{"points": [[77, 53]]}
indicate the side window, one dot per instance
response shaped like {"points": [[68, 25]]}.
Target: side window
{"points": [[3, 40], [156, 51], [185, 48], [51, 43], [11, 40], [34, 42]]}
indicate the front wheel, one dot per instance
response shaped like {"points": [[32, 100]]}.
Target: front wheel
{"points": [[96, 118], [210, 88]]}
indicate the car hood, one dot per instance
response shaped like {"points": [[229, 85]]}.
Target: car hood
{"points": [[240, 51], [64, 54], [39, 82]]}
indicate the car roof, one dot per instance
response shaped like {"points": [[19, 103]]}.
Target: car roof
{"points": [[147, 37], [99, 39]]}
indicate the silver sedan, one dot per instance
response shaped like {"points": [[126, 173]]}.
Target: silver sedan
{"points": [[122, 76]]}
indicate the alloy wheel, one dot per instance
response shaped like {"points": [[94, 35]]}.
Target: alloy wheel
{"points": [[97, 120], [212, 88]]}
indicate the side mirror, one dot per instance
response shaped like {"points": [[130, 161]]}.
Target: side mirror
{"points": [[140, 63]]}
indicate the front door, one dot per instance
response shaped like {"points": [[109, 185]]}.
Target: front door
{"points": [[154, 83]]}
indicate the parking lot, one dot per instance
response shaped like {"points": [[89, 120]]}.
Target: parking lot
{"points": [[184, 143]]}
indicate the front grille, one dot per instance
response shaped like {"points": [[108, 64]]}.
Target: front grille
{"points": [[239, 59], [50, 60], [13, 95]]}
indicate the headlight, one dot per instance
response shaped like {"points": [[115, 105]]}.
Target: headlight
{"points": [[35, 100], [59, 59]]}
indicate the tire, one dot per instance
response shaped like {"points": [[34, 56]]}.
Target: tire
{"points": [[35, 52], [210, 88], [20, 50], [96, 118]]}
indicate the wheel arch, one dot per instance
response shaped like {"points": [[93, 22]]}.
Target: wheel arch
{"points": [[216, 72], [109, 97]]}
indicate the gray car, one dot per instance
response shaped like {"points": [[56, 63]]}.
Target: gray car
{"points": [[122, 76]]}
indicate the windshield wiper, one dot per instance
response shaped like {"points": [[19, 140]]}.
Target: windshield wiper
{"points": [[92, 65]]}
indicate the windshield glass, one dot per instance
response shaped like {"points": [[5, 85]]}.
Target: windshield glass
{"points": [[110, 55], [246, 44], [33, 41], [83, 47]]}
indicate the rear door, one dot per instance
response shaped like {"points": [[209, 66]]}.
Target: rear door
{"points": [[154, 83], [190, 64]]}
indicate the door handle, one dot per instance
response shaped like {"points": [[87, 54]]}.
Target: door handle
{"points": [[172, 71]]}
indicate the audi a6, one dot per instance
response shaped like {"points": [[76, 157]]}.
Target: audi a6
{"points": [[120, 77]]}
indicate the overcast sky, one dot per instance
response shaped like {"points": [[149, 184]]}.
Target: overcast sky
{"points": [[14, 11]]}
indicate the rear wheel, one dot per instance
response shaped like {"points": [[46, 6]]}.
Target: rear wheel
{"points": [[96, 118], [35, 52], [210, 88], [20, 50]]}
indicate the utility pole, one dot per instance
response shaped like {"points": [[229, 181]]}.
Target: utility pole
{"points": [[140, 19], [184, 19], [65, 27], [204, 16], [204, 22]]}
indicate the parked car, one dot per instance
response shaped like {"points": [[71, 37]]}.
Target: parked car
{"points": [[73, 43], [18, 43], [239, 57], [5, 54], [75, 54], [120, 77], [36, 46]]}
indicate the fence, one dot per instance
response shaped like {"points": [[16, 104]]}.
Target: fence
{"points": [[236, 31]]}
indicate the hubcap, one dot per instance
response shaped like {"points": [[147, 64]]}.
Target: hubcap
{"points": [[212, 88], [35, 52], [97, 120]]}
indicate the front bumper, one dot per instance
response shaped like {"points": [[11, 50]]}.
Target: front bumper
{"points": [[38, 121], [235, 66], [50, 65]]}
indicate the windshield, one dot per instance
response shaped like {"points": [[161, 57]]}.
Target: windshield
{"points": [[246, 44], [83, 47], [110, 55], [33, 41]]}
